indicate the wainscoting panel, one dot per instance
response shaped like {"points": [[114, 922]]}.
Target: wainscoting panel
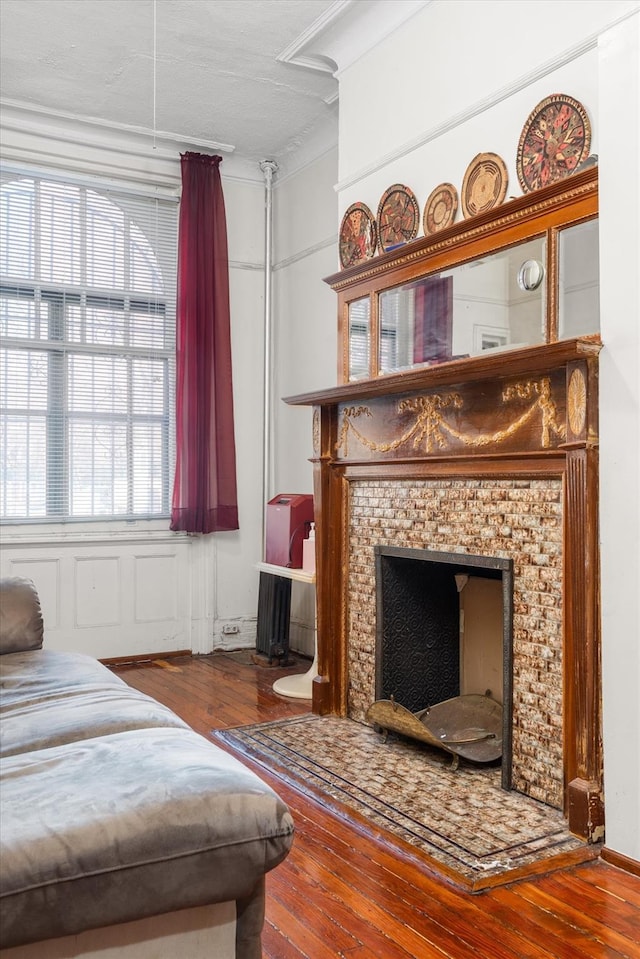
{"points": [[115, 596], [97, 591], [152, 605]]}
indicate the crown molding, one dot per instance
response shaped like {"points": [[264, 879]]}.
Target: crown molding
{"points": [[55, 140], [345, 31]]}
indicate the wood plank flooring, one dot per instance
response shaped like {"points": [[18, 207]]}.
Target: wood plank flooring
{"points": [[344, 893]]}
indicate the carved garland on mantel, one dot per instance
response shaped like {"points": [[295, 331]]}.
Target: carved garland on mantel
{"points": [[430, 429]]}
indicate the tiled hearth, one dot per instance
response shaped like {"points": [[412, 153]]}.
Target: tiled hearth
{"points": [[517, 519], [462, 821]]}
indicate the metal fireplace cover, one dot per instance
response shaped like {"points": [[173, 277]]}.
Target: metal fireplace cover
{"points": [[467, 726]]}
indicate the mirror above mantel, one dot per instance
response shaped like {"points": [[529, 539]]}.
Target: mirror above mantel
{"points": [[521, 275]]}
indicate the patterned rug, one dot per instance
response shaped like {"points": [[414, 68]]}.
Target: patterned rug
{"points": [[467, 826]]}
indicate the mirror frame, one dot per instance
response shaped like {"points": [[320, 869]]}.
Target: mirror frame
{"points": [[546, 212]]}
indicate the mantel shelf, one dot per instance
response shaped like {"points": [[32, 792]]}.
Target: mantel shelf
{"points": [[533, 359]]}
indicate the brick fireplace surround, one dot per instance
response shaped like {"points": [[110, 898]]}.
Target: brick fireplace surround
{"points": [[514, 518], [492, 456]]}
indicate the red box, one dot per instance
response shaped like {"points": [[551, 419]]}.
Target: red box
{"points": [[289, 516]]}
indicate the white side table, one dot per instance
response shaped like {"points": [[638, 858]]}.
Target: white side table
{"points": [[298, 686]]}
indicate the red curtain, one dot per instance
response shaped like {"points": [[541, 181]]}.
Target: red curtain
{"points": [[433, 320], [204, 491]]}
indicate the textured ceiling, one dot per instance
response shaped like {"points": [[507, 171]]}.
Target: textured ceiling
{"points": [[205, 71]]}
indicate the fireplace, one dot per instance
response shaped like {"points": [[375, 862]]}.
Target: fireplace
{"points": [[443, 630], [492, 460], [518, 523]]}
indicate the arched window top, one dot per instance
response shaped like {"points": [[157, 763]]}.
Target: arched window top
{"points": [[73, 236]]}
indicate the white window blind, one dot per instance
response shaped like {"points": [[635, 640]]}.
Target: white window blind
{"points": [[87, 351], [359, 338], [396, 329]]}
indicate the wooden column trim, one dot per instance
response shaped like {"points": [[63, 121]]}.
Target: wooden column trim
{"points": [[582, 671], [329, 687]]}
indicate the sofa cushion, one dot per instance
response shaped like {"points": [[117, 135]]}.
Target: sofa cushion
{"points": [[20, 615], [48, 698], [130, 825], [36, 675]]}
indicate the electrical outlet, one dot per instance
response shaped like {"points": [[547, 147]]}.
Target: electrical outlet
{"points": [[230, 629]]}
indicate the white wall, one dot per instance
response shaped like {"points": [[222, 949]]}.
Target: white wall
{"points": [[619, 70], [305, 352], [420, 123], [305, 217]]}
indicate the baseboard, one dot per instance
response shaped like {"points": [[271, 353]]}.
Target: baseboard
{"points": [[622, 862], [140, 658]]}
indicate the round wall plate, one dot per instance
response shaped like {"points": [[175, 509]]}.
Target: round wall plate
{"points": [[484, 185], [440, 209], [398, 217], [358, 235], [554, 142]]}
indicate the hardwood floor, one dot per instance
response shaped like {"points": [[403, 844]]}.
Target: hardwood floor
{"points": [[344, 893]]}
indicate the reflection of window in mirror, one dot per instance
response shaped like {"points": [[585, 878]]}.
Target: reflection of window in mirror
{"points": [[390, 353], [396, 322], [488, 338], [578, 280], [359, 338], [397, 312], [467, 310], [415, 324]]}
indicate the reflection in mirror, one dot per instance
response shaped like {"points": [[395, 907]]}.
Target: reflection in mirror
{"points": [[530, 275], [359, 338], [465, 311], [578, 281]]}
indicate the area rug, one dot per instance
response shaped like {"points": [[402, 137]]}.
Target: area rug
{"points": [[467, 826]]}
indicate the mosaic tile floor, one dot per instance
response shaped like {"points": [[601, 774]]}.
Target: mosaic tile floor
{"points": [[463, 821]]}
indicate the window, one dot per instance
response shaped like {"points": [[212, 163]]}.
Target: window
{"points": [[87, 344]]}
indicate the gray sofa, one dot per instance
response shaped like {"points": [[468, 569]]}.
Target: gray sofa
{"points": [[113, 810]]}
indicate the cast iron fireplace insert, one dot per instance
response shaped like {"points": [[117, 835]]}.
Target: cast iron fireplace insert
{"points": [[418, 629]]}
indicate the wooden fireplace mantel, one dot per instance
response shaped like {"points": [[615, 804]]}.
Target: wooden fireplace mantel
{"points": [[531, 413], [506, 420]]}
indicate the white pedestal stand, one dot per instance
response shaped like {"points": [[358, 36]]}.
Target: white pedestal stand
{"points": [[298, 686]]}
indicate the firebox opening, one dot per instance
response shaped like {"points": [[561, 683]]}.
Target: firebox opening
{"points": [[444, 629]]}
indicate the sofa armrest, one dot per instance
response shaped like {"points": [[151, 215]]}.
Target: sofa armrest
{"points": [[21, 626]]}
